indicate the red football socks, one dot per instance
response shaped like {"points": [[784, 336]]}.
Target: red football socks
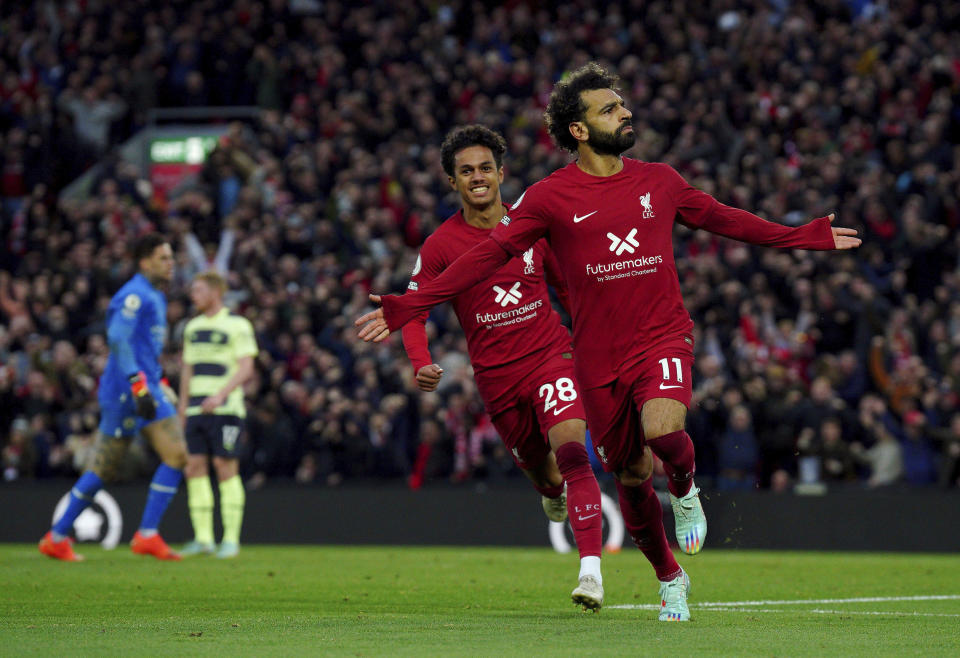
{"points": [[675, 450], [583, 498], [550, 492], [643, 517]]}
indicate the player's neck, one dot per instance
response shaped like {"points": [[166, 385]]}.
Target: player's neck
{"points": [[156, 283], [213, 309], [486, 217], [598, 164]]}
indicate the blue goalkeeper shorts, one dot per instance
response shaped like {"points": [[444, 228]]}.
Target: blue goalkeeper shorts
{"points": [[118, 413]]}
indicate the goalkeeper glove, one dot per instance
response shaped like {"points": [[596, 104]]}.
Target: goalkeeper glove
{"points": [[146, 405]]}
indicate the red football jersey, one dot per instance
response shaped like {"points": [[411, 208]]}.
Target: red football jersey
{"points": [[613, 239], [506, 316]]}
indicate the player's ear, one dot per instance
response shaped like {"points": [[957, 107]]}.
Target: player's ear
{"points": [[452, 181], [500, 173], [579, 131]]}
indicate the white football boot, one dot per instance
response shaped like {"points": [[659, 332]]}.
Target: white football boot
{"points": [[556, 508], [691, 523], [673, 598], [589, 594]]}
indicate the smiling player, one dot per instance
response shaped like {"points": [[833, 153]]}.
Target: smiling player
{"points": [[519, 349], [609, 220]]}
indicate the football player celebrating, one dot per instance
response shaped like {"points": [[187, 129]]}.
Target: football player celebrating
{"points": [[609, 220], [518, 347]]}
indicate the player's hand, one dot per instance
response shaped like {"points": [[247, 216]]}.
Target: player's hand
{"points": [[376, 329], [146, 405], [428, 377], [168, 392], [211, 402], [843, 238]]}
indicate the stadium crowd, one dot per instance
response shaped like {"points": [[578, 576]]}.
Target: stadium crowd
{"points": [[809, 367]]}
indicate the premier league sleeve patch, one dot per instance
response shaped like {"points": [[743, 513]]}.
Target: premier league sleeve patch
{"points": [[131, 304]]}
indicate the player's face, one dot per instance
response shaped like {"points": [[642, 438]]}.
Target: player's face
{"points": [[159, 265], [608, 122], [476, 176], [202, 295]]}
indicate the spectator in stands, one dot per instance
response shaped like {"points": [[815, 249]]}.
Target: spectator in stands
{"points": [[338, 173], [738, 452], [19, 455], [884, 456], [836, 457]]}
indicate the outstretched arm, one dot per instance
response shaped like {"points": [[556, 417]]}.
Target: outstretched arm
{"points": [[397, 310], [698, 209]]}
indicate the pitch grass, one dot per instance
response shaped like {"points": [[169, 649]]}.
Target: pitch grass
{"points": [[389, 601]]}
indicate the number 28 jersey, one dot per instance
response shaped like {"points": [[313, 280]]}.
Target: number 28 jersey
{"points": [[506, 316]]}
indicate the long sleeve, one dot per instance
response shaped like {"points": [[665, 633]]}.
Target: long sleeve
{"points": [[119, 335], [700, 210], [475, 265], [195, 251], [554, 276], [415, 342], [221, 263]]}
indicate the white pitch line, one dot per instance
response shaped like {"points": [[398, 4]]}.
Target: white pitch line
{"points": [[818, 611], [880, 612], [742, 604]]}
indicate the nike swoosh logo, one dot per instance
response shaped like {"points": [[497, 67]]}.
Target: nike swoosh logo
{"points": [[584, 518], [557, 412], [577, 219], [663, 387]]}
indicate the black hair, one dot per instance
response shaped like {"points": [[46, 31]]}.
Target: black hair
{"points": [[472, 135], [145, 246], [566, 106]]}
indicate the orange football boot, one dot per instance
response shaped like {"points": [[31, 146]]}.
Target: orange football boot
{"points": [[59, 550], [154, 546]]}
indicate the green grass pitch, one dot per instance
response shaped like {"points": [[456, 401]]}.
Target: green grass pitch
{"points": [[390, 601]]}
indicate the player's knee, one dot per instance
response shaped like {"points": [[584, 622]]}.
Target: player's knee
{"points": [[656, 429], [573, 430], [194, 469], [225, 468], [637, 471], [177, 460], [106, 472]]}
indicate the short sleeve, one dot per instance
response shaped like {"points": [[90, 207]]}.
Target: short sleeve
{"points": [[246, 342]]}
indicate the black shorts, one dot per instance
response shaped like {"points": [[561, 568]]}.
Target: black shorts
{"points": [[209, 434]]}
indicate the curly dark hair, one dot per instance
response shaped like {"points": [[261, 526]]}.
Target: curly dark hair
{"points": [[566, 106], [473, 135]]}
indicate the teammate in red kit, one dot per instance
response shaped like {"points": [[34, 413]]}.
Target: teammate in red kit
{"points": [[521, 353], [609, 221]]}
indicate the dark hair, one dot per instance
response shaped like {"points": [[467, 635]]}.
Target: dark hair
{"points": [[144, 247], [566, 106], [472, 135]]}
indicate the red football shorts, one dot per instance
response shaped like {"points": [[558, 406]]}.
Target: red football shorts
{"points": [[613, 410], [525, 400]]}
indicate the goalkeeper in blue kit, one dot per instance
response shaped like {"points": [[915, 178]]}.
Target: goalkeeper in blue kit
{"points": [[133, 398]]}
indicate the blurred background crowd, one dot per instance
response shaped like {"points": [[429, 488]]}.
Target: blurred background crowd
{"points": [[811, 367]]}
